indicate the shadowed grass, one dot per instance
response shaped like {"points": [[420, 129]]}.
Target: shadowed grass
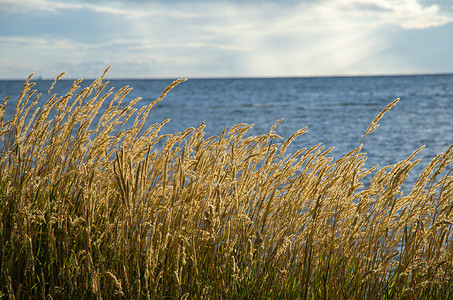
{"points": [[93, 208]]}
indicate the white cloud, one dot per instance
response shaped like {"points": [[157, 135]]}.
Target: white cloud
{"points": [[406, 14], [55, 7], [224, 38]]}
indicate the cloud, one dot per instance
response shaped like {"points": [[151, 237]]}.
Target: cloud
{"points": [[404, 14], [206, 38], [55, 7], [370, 6]]}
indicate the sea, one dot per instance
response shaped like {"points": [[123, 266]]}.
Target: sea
{"points": [[337, 110]]}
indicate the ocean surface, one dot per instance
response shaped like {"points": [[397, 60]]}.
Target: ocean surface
{"points": [[337, 110]]}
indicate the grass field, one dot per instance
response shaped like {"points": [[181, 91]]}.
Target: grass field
{"points": [[91, 208]]}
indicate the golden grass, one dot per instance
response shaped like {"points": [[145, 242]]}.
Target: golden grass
{"points": [[94, 209]]}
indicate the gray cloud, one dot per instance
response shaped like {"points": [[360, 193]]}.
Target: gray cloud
{"points": [[444, 5], [366, 6]]}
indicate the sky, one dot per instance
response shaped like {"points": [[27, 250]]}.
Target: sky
{"points": [[235, 38]]}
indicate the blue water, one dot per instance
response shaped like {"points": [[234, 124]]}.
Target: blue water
{"points": [[337, 110]]}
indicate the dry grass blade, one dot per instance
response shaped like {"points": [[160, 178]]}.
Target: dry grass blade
{"points": [[89, 210], [374, 124]]}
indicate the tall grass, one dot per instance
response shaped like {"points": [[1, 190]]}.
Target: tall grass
{"points": [[91, 208]]}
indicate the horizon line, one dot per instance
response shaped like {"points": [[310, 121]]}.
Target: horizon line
{"points": [[38, 77]]}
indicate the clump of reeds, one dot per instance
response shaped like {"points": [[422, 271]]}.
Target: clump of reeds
{"points": [[90, 208]]}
